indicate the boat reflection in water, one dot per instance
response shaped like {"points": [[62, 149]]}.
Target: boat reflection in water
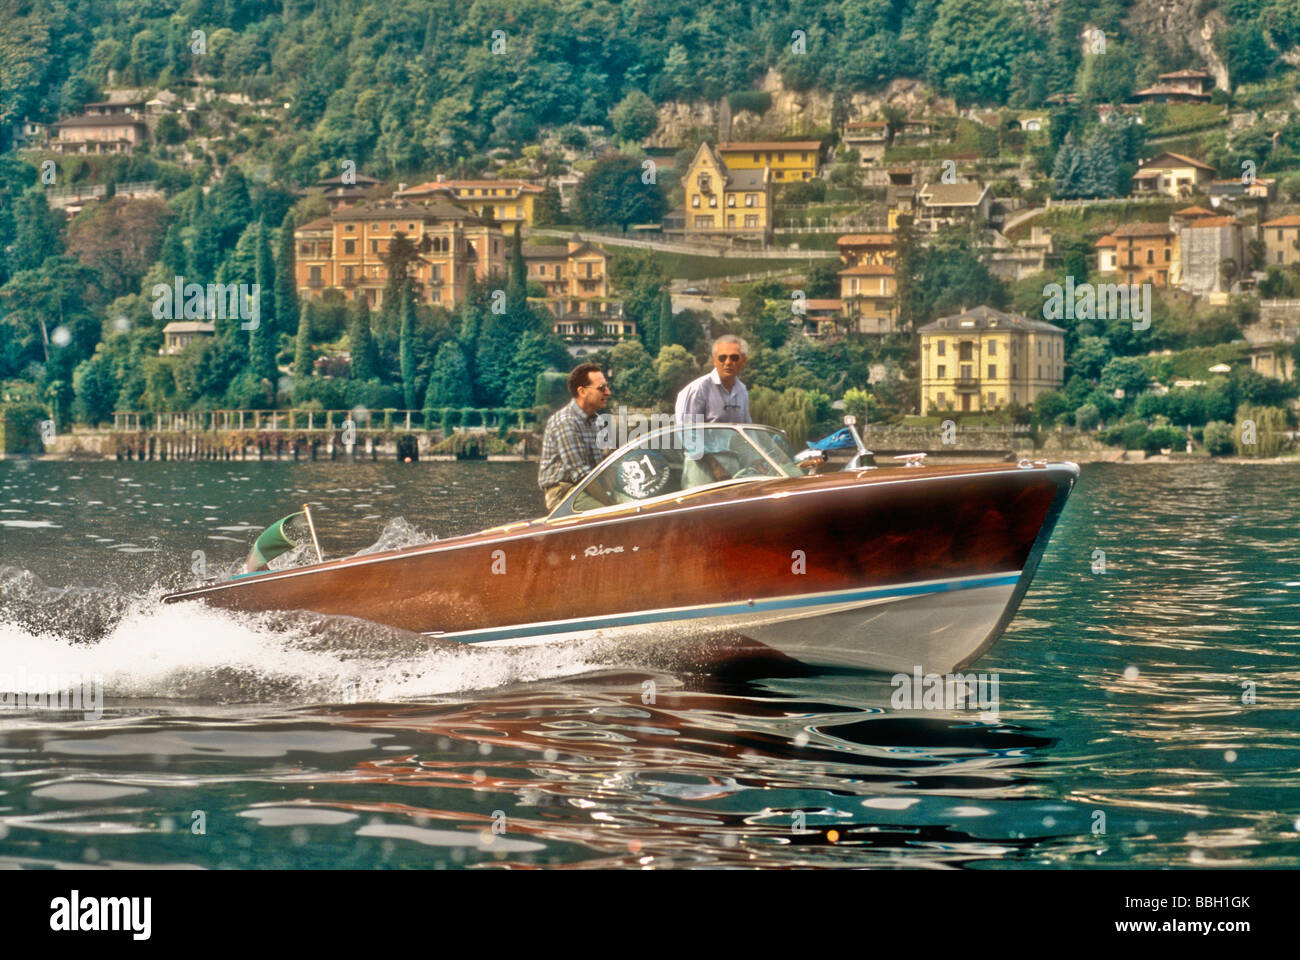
{"points": [[883, 569], [692, 769]]}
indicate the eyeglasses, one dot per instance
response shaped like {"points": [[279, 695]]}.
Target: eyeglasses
{"points": [[728, 357], [603, 388]]}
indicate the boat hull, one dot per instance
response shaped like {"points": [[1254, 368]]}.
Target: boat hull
{"points": [[937, 629], [887, 570]]}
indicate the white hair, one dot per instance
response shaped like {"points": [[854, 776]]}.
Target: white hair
{"points": [[730, 338]]}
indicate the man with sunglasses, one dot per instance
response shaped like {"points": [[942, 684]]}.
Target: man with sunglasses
{"points": [[570, 445], [716, 397]]}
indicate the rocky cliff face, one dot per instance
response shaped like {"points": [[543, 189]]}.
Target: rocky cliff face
{"points": [[792, 113], [1175, 23], [1177, 19]]}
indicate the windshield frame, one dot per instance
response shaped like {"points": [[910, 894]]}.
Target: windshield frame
{"points": [[565, 507]]}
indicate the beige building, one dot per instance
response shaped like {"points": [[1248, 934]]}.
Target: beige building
{"points": [[1107, 254], [178, 334], [869, 137], [1172, 174], [346, 191], [1261, 188], [983, 359], [1281, 241], [116, 133], [1180, 86], [575, 277], [944, 204], [1025, 257], [508, 202], [346, 250], [1273, 360]]}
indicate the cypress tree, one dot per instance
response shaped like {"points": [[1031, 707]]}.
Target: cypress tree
{"points": [[365, 360], [665, 331], [517, 287], [172, 254], [907, 262], [231, 206], [205, 247], [547, 209], [262, 338], [531, 358], [286, 281], [471, 318], [471, 326], [499, 333], [406, 344], [302, 363]]}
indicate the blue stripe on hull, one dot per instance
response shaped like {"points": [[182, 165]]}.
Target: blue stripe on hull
{"points": [[726, 609]]}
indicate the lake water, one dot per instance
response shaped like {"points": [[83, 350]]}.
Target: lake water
{"points": [[1147, 711]]}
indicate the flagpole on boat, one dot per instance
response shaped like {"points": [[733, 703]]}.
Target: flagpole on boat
{"points": [[320, 557]]}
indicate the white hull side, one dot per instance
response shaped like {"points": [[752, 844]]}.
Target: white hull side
{"points": [[936, 631]]}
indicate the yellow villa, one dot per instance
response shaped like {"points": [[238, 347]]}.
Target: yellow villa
{"points": [[789, 160], [720, 201], [868, 291], [983, 359]]}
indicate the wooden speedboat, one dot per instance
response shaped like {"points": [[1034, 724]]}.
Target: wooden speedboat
{"points": [[877, 568]]}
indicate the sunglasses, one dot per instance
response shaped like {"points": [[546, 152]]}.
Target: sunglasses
{"points": [[728, 357], [603, 388]]}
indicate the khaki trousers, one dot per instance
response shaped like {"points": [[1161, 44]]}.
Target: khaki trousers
{"points": [[556, 493]]}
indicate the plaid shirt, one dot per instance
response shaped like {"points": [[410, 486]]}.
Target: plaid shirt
{"points": [[569, 446]]}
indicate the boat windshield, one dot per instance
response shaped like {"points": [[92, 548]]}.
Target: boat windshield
{"points": [[777, 449], [680, 458]]}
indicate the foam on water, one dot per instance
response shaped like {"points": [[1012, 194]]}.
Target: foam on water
{"points": [[193, 652], [143, 649]]}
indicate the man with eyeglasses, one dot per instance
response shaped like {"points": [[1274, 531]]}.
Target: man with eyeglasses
{"points": [[571, 447], [716, 397]]}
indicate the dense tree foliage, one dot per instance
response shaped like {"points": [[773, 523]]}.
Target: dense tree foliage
{"points": [[976, 47], [615, 193], [421, 85]]}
